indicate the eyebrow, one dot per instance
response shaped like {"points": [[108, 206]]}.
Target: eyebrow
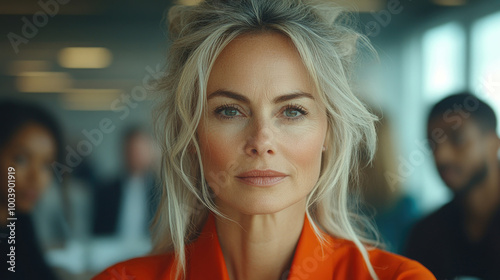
{"points": [[242, 98]]}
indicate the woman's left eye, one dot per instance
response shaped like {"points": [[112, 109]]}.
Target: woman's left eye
{"points": [[293, 112]]}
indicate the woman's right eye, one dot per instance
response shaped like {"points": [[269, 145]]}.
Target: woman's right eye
{"points": [[227, 112], [230, 112]]}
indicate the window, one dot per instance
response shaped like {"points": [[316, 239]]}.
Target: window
{"points": [[443, 73], [485, 74], [443, 61]]}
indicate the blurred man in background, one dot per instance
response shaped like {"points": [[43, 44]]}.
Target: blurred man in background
{"points": [[124, 207], [463, 237]]}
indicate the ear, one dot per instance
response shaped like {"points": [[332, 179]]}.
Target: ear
{"points": [[497, 142], [492, 142]]}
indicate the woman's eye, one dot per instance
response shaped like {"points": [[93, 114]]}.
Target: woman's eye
{"points": [[230, 112], [294, 112], [291, 113], [227, 112]]}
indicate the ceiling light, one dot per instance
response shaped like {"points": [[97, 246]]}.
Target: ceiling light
{"points": [[85, 57], [43, 82], [17, 67], [90, 99], [449, 2]]}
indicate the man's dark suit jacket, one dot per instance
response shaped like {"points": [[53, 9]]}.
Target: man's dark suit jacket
{"points": [[107, 204]]}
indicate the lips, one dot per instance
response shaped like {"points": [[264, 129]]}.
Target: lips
{"points": [[261, 177]]}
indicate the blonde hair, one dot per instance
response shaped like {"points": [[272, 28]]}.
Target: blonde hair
{"points": [[327, 47]]}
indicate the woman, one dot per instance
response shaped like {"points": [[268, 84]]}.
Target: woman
{"points": [[29, 144], [260, 133]]}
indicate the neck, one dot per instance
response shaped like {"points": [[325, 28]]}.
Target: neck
{"points": [[481, 204], [260, 246]]}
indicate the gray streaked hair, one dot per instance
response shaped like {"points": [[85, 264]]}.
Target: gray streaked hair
{"points": [[328, 47]]}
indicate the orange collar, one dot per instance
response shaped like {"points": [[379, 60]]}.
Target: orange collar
{"points": [[310, 261], [338, 259]]}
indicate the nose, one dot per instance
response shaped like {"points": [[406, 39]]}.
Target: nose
{"points": [[37, 177], [260, 139], [443, 153]]}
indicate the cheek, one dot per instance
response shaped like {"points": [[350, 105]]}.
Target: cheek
{"points": [[305, 154], [474, 153], [219, 153], [45, 179], [492, 151], [216, 149]]}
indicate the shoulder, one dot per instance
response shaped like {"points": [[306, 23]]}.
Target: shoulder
{"points": [[387, 265], [441, 215], [394, 266], [147, 267]]}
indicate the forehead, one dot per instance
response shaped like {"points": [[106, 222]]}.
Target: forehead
{"points": [[259, 43], [260, 62], [36, 138], [455, 124]]}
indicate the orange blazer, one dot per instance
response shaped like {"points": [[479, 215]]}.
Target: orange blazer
{"points": [[339, 259]]}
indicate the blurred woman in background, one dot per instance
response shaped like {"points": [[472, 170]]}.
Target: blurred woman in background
{"points": [[30, 142], [260, 133]]}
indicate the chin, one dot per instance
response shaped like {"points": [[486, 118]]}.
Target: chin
{"points": [[251, 207], [261, 209], [258, 204], [455, 188], [452, 185]]}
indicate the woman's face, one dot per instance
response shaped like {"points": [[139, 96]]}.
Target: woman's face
{"points": [[263, 113], [31, 150]]}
